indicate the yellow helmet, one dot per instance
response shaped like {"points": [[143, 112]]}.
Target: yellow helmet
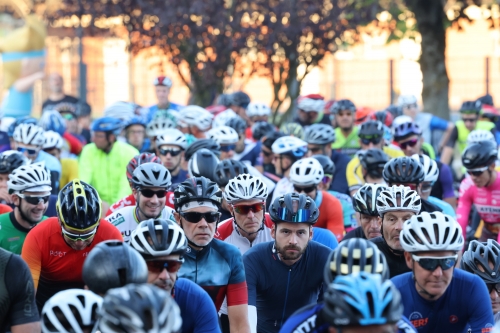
{"points": [[78, 205]]}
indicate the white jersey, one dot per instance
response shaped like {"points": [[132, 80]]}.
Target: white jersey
{"points": [[284, 186], [125, 219]]}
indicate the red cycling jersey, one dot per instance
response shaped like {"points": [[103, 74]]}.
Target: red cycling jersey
{"points": [[129, 200]]}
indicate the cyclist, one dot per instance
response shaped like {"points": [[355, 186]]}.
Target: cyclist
{"points": [[194, 120], [257, 113], [305, 175], [139, 308], [224, 172], [135, 134], [435, 296], [311, 110], [260, 129], [164, 108], [72, 310], [227, 138], [209, 144], [9, 161], [478, 189], [30, 188], [69, 167], [150, 181], [56, 249], [246, 149], [276, 270], [237, 105], [55, 121], [395, 205], [103, 163], [346, 133], [268, 155], [365, 204], [170, 147], [372, 164], [162, 244], [203, 164], [157, 127], [18, 311], [197, 201]]}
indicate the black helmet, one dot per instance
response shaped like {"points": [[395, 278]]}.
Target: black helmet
{"points": [[486, 100], [373, 160], [394, 110], [471, 107], [283, 209], [113, 264], [262, 128], [238, 124], [197, 189], [353, 256], [209, 144], [11, 160], [224, 99], [477, 259], [227, 170], [479, 154], [371, 128], [78, 205], [403, 170], [343, 104], [327, 164], [203, 163], [240, 98], [270, 138], [319, 134], [365, 199]]}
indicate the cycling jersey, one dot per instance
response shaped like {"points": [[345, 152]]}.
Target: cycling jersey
{"points": [[12, 234], [443, 188], [251, 153], [69, 171], [180, 177], [395, 259], [430, 123], [460, 133], [278, 290], [465, 302], [347, 209], [129, 200], [125, 219], [284, 186], [347, 145], [330, 216], [154, 112], [54, 166], [54, 265], [355, 233], [443, 205], [219, 270], [106, 172], [197, 309], [339, 181]]}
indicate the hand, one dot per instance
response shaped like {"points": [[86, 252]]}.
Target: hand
{"points": [[4, 195]]}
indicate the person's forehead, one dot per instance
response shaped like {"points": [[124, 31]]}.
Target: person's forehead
{"points": [[435, 254], [30, 193], [400, 213], [293, 226], [169, 147]]}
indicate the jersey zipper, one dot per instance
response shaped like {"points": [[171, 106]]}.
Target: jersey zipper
{"points": [[286, 297]]}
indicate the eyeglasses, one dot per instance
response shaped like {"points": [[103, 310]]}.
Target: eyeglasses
{"points": [[150, 193], [414, 105], [477, 172], [375, 140], [82, 237], [245, 209], [195, 217], [34, 200], [172, 152], [470, 120], [30, 151], [227, 148], [431, 263], [426, 187], [157, 266], [492, 286], [409, 143], [304, 189], [326, 179]]}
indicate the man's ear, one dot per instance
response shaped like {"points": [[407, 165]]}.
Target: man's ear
{"points": [[273, 231], [177, 218], [311, 232], [409, 260]]}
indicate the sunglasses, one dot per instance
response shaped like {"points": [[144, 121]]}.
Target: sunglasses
{"points": [[157, 266], [326, 179], [409, 143], [227, 148], [34, 200], [195, 217], [172, 152], [375, 140], [30, 151], [150, 193], [67, 116], [245, 209], [414, 105], [469, 120], [477, 172], [431, 263], [82, 237], [426, 187], [492, 286], [304, 189], [315, 150]]}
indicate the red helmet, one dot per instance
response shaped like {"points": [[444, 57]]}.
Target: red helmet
{"points": [[162, 81], [138, 160], [385, 117]]}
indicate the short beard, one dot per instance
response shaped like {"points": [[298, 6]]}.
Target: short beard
{"points": [[284, 256], [26, 216]]}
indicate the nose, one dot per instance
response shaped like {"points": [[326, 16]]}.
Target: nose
{"points": [[250, 213], [493, 294], [154, 199], [374, 223], [164, 274], [203, 223], [438, 271], [399, 224], [293, 239]]}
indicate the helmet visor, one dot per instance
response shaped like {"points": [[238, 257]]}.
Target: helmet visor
{"points": [[287, 215]]}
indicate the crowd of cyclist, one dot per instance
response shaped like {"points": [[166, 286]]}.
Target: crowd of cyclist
{"points": [[190, 219]]}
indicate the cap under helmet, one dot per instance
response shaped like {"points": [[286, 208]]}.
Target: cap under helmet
{"points": [[294, 208]]}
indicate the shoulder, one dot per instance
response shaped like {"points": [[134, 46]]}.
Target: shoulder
{"points": [[318, 248], [393, 152], [89, 149], [5, 217], [257, 250], [354, 162], [107, 230], [466, 278], [329, 199], [125, 148], [377, 241], [69, 163], [118, 216], [466, 184], [48, 226], [402, 279], [225, 229], [226, 250]]}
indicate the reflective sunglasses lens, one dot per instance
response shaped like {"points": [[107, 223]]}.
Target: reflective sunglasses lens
{"points": [[304, 189], [407, 144], [195, 217], [245, 209], [431, 264], [172, 266], [28, 150]]}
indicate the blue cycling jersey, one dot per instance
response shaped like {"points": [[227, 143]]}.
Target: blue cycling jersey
{"points": [[339, 182], [151, 111], [251, 153], [438, 124], [446, 207], [180, 177], [465, 303], [197, 309], [325, 237], [278, 290]]}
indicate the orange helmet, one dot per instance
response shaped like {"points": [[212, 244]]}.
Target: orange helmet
{"points": [[362, 114]]}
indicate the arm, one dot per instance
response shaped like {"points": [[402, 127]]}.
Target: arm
{"points": [[446, 179], [335, 221], [74, 144], [481, 317], [251, 279], [238, 318], [32, 255], [26, 328], [207, 320], [464, 204], [85, 164], [447, 151], [25, 84], [352, 178], [237, 297]]}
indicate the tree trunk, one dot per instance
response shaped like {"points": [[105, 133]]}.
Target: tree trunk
{"points": [[430, 18]]}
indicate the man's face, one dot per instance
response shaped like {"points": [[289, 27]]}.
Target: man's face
{"points": [[392, 224], [240, 145], [73, 240], [281, 162], [162, 93], [372, 142], [313, 149], [371, 225], [4, 178], [386, 328], [56, 152], [267, 155], [411, 145], [227, 151], [160, 276], [33, 213], [55, 83], [345, 119], [71, 122], [170, 156], [151, 201], [200, 233], [291, 239], [30, 151], [483, 178], [136, 135], [470, 121], [308, 118], [100, 140], [249, 214], [410, 110]]}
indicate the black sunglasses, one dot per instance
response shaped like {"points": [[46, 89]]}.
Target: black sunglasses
{"points": [[266, 153], [172, 152], [34, 200], [195, 217], [375, 140], [431, 263], [492, 286], [304, 189], [227, 148], [410, 143], [150, 193]]}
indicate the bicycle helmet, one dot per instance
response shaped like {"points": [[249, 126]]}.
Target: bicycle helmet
{"points": [[289, 145], [120, 110], [262, 128], [362, 114], [239, 98], [162, 81], [479, 155], [78, 205], [151, 175], [403, 170], [353, 256], [113, 264], [52, 140], [372, 160], [227, 170], [362, 300], [480, 135], [431, 232], [108, 125], [71, 310], [223, 135], [471, 107], [341, 105], [52, 121], [398, 198], [394, 110], [245, 187], [140, 308], [193, 115], [477, 259], [371, 128], [197, 189], [138, 160], [326, 163], [29, 134], [19, 121], [365, 199], [270, 138], [224, 100], [257, 109], [238, 124], [319, 134], [404, 130], [430, 166], [209, 144], [83, 109], [171, 136], [33, 177], [158, 237], [135, 120], [311, 103], [293, 129], [385, 117], [203, 163], [294, 207], [306, 171], [400, 120], [405, 100], [158, 126], [11, 160]]}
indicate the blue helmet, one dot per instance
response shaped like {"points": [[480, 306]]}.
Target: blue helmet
{"points": [[361, 300], [52, 121], [136, 120], [107, 124], [19, 121]]}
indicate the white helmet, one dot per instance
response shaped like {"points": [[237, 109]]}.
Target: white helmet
{"points": [[158, 237], [289, 144], [223, 135], [52, 140], [158, 126], [258, 109], [34, 177], [431, 232], [222, 118], [172, 136], [403, 119], [430, 167], [309, 104], [480, 135], [398, 198], [29, 134], [307, 171], [404, 100], [245, 187], [193, 115], [120, 110], [68, 309]]}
